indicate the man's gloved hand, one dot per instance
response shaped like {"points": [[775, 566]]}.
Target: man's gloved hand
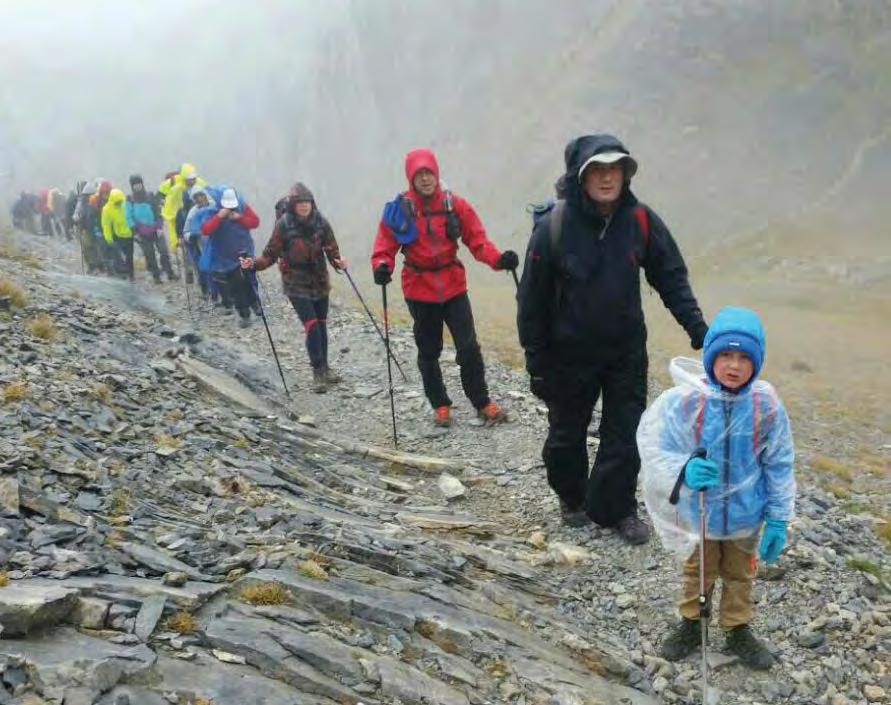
{"points": [[701, 473], [382, 274], [508, 260], [697, 337], [772, 540]]}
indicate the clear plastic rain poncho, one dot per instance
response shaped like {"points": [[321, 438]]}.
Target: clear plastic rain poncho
{"points": [[746, 433]]}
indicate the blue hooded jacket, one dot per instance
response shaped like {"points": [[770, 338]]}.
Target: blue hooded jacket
{"points": [[746, 432]]}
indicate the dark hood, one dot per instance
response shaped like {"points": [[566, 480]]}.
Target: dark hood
{"points": [[577, 152]]}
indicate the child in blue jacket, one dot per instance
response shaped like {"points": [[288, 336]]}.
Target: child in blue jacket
{"points": [[724, 432]]}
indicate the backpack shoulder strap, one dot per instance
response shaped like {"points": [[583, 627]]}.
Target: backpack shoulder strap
{"points": [[643, 220], [555, 228]]}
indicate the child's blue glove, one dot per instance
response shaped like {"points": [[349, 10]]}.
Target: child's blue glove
{"points": [[773, 540], [701, 473]]}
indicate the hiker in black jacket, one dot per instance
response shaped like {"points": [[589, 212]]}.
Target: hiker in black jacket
{"points": [[582, 327]]}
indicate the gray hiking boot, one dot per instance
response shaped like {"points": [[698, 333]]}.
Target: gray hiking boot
{"points": [[331, 377], [633, 530], [319, 385], [683, 641], [750, 649], [573, 517]]}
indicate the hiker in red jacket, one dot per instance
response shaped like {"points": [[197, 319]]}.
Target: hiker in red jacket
{"points": [[426, 222]]}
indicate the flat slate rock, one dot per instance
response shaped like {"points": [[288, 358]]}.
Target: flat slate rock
{"points": [[26, 608]]}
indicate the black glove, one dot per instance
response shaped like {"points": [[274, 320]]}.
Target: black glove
{"points": [[697, 336], [508, 260], [382, 274]]}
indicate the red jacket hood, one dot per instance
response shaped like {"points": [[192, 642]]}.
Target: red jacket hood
{"points": [[420, 159]]}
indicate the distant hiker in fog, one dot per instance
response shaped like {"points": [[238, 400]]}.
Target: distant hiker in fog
{"points": [[303, 244], [117, 233], [177, 203], [107, 251], [85, 224], [426, 222], [582, 327], [144, 219], [228, 229], [70, 206], [23, 212]]}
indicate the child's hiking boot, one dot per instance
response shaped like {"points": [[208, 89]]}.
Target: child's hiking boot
{"points": [[634, 530], [331, 377], [573, 517], [750, 649], [492, 414], [319, 385], [442, 416], [683, 641]]}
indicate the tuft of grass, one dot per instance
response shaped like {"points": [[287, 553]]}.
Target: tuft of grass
{"points": [[865, 566], [121, 501], [242, 443], [25, 258], [431, 631], [15, 293], [15, 391], [4, 578], [102, 392], [182, 622], [883, 531], [496, 667], [163, 439], [175, 415], [312, 569], [821, 463], [837, 490], [265, 594], [201, 701], [43, 326], [114, 538]]}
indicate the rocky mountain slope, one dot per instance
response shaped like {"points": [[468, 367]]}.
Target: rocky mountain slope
{"points": [[175, 530]]}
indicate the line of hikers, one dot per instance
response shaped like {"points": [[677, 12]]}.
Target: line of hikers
{"points": [[723, 438]]}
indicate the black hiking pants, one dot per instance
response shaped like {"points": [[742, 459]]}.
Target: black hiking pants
{"points": [[123, 248], [607, 495], [313, 314], [154, 249], [428, 322], [236, 290]]}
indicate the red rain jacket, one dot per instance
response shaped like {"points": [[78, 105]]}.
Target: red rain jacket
{"points": [[432, 271]]}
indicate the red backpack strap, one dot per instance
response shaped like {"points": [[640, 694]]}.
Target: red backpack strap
{"points": [[643, 220], [700, 415], [759, 417]]}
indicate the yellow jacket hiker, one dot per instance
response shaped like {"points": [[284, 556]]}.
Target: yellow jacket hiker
{"points": [[114, 220], [173, 198]]}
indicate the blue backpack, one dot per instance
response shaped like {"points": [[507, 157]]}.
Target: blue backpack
{"points": [[399, 217]]}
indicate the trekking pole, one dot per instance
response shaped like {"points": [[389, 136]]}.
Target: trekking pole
{"points": [[83, 266], [251, 279], [703, 600], [708, 697], [389, 366], [514, 275], [374, 322], [181, 265]]}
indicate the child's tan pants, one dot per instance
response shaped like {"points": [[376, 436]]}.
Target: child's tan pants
{"points": [[734, 562]]}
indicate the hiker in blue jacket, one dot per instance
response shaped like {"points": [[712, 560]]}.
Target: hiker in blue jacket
{"points": [[144, 219], [724, 432]]}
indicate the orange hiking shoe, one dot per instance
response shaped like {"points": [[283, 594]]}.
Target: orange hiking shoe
{"points": [[492, 413], [442, 416]]}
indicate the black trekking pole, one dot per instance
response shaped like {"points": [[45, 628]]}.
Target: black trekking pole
{"points": [[389, 366], [374, 322], [514, 275], [251, 279], [83, 266], [181, 265]]}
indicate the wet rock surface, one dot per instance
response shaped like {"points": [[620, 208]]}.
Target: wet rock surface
{"points": [[172, 532]]}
